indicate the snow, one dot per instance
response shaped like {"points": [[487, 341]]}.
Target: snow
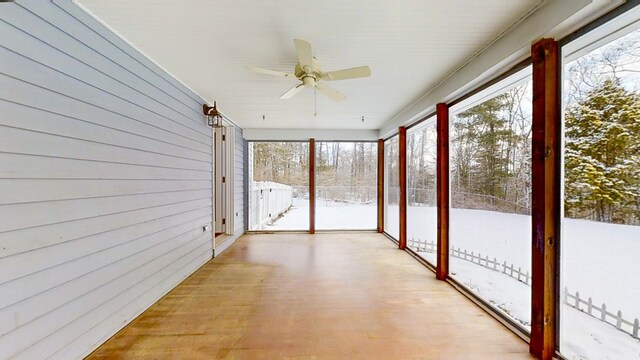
{"points": [[296, 218], [599, 260], [330, 215]]}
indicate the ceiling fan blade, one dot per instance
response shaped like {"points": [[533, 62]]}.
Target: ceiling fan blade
{"points": [[331, 93], [269, 72], [305, 55], [291, 92], [356, 72]]}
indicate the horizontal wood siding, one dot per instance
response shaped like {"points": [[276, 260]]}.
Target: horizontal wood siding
{"points": [[105, 182]]}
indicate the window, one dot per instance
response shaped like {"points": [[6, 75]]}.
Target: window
{"points": [[490, 184], [279, 186], [421, 190], [346, 185], [392, 188], [600, 247]]}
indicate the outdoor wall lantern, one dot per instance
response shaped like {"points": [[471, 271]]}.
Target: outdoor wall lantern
{"points": [[214, 118]]}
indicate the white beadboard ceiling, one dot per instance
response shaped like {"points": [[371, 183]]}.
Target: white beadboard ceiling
{"points": [[410, 45]]}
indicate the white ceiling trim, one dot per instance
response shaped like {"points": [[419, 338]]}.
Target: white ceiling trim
{"points": [[306, 134], [556, 19]]}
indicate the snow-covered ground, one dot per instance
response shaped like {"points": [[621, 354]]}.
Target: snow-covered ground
{"points": [[330, 215], [599, 260], [296, 218]]}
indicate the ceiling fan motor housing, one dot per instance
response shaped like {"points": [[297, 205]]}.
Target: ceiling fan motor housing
{"points": [[309, 80], [299, 71]]}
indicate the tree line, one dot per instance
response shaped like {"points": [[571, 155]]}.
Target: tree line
{"points": [[490, 153], [345, 171]]}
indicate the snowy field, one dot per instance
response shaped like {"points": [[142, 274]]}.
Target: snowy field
{"points": [[330, 215], [592, 255]]}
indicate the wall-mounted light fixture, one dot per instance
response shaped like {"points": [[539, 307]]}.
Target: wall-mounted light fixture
{"points": [[214, 118]]}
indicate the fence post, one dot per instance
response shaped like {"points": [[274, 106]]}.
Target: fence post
{"points": [[636, 326], [589, 306], [604, 312], [261, 201], [495, 264], [619, 320], [577, 300]]}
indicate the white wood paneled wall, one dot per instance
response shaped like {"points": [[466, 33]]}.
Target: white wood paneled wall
{"points": [[105, 182]]}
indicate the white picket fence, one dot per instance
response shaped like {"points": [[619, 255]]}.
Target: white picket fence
{"points": [[601, 313], [484, 261], [570, 299], [269, 201]]}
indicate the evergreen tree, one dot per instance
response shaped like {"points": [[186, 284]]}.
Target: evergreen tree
{"points": [[485, 162], [602, 161]]}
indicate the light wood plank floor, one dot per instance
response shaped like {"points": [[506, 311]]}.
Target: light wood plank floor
{"points": [[326, 296]]}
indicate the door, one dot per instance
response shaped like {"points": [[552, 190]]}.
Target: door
{"points": [[220, 193]]}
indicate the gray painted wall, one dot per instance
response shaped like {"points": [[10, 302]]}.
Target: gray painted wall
{"points": [[105, 182]]}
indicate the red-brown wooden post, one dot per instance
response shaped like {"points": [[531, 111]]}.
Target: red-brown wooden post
{"points": [[402, 182], [545, 198], [380, 185], [442, 186], [312, 186]]}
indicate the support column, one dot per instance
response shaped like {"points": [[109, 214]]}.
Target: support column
{"points": [[312, 186], [545, 198], [442, 190], [380, 185], [402, 183]]}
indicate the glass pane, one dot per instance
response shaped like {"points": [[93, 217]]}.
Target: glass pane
{"points": [[346, 185], [279, 186], [601, 230], [392, 189], [421, 191], [490, 228]]}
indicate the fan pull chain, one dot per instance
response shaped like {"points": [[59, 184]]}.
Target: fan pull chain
{"points": [[315, 101]]}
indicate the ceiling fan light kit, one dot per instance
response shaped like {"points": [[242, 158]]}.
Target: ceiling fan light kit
{"points": [[310, 75]]}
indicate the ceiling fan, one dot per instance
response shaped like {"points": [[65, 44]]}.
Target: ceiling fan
{"points": [[308, 72]]}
